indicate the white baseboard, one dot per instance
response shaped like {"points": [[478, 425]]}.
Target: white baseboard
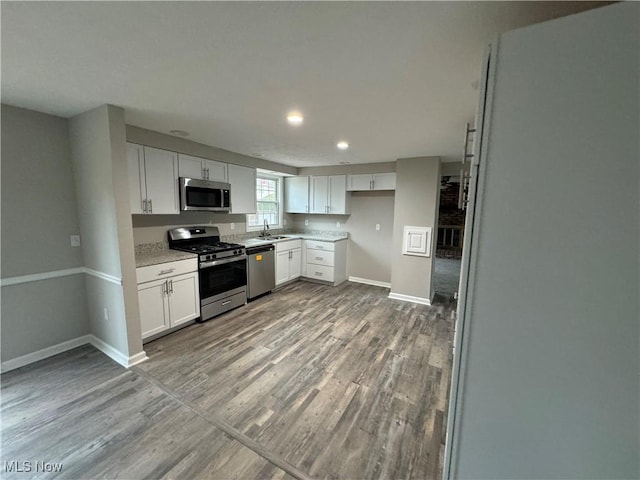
{"points": [[105, 348], [409, 298], [116, 355], [44, 353], [370, 282]]}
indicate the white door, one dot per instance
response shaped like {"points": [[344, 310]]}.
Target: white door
{"points": [[243, 189], [161, 169], [215, 171], [184, 299], [296, 194], [318, 195], [282, 267], [384, 181], [295, 263], [190, 167], [154, 308], [137, 188], [337, 189], [359, 182]]}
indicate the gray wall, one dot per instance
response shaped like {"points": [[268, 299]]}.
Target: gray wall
{"points": [[99, 164], [182, 145], [550, 386], [368, 249], [38, 215], [417, 192]]}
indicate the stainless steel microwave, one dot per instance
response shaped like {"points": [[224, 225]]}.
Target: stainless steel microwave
{"points": [[203, 195]]}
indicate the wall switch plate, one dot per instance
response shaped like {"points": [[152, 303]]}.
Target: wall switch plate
{"points": [[75, 240], [377, 226], [232, 225], [106, 314], [306, 222]]}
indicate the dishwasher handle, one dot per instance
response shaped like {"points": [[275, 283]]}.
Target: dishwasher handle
{"points": [[260, 249]]}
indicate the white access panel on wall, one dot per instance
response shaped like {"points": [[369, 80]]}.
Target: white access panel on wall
{"points": [[416, 241]]}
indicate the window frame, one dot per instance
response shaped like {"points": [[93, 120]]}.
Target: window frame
{"points": [[279, 192]]}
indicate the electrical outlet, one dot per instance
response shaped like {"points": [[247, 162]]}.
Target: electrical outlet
{"points": [[306, 222], [377, 226], [105, 313], [233, 226], [284, 222], [338, 224], [75, 240]]}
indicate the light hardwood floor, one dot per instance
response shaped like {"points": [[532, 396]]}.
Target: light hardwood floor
{"points": [[308, 382]]}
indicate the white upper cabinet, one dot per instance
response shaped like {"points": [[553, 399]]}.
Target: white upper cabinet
{"points": [[296, 194], [243, 189], [137, 185], [376, 181], [202, 168], [328, 194], [153, 180]]}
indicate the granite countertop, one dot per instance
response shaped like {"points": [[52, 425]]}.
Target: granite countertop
{"points": [[319, 236], [154, 257]]}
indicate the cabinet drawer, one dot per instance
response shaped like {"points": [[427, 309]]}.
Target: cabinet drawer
{"points": [[317, 245], [288, 244], [320, 257], [320, 272], [166, 270]]}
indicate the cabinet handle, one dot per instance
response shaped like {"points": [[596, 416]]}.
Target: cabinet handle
{"points": [[165, 288], [144, 206], [204, 173], [150, 206], [171, 286], [207, 173], [165, 272], [318, 258], [319, 247], [370, 184], [319, 274], [225, 303]]}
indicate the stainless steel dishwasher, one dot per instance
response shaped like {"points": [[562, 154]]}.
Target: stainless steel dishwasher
{"points": [[261, 270]]}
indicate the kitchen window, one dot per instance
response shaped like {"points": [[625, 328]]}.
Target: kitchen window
{"points": [[268, 203]]}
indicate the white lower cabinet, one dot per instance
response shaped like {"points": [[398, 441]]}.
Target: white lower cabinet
{"points": [[167, 297], [326, 261], [288, 261]]}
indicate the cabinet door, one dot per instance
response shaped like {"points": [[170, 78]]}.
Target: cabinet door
{"points": [[359, 182], [184, 298], [384, 181], [318, 194], [296, 194], [154, 307], [216, 171], [161, 173], [295, 263], [243, 189], [190, 167], [137, 187], [337, 191], [282, 267]]}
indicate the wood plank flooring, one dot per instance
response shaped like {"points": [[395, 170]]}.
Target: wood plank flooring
{"points": [[309, 382]]}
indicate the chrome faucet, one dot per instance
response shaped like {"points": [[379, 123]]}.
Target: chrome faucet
{"points": [[265, 229]]}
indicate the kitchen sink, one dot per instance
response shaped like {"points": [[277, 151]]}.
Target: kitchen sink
{"points": [[275, 237]]}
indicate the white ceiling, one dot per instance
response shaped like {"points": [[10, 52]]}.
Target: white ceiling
{"points": [[394, 79]]}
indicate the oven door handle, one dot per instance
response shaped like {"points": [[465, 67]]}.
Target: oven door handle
{"points": [[213, 263]]}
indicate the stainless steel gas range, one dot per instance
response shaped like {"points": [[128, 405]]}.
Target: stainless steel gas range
{"points": [[222, 268]]}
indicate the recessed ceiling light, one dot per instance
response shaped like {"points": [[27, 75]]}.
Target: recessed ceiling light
{"points": [[179, 133], [295, 118], [342, 145]]}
